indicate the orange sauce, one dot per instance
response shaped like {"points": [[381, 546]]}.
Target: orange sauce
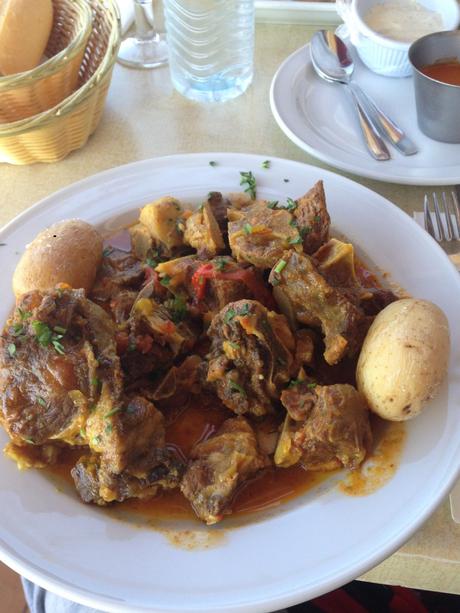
{"points": [[444, 71]]}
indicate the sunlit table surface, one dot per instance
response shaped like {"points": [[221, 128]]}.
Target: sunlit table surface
{"points": [[145, 117]]}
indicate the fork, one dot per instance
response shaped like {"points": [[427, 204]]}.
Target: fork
{"points": [[448, 237], [445, 231]]}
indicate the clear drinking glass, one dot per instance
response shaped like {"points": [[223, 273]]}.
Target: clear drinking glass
{"points": [[211, 47], [147, 48]]}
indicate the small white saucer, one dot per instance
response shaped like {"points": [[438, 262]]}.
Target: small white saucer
{"points": [[319, 118]]}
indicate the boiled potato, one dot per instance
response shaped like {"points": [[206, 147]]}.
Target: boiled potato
{"points": [[67, 252], [404, 358], [162, 218]]}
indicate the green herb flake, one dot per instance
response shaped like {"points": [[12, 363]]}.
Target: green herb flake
{"points": [[304, 231], [96, 440], [244, 310], [266, 164], [311, 385], [280, 266], [291, 204], [12, 349], [272, 204], [29, 440], [42, 332], [229, 315], [295, 241], [58, 346], [151, 262], [112, 412], [108, 429], [233, 345], [247, 228], [41, 401], [317, 218], [82, 433], [247, 178], [236, 387], [212, 163], [107, 251], [177, 308], [92, 408], [294, 383], [165, 281], [18, 329], [220, 264], [24, 314], [60, 329], [95, 381]]}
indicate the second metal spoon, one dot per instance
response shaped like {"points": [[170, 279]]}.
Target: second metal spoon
{"points": [[333, 62]]}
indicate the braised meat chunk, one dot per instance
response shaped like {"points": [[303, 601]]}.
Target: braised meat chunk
{"points": [[129, 458], [259, 234], [55, 351], [326, 427], [120, 270], [315, 303], [250, 358], [312, 218], [218, 466]]}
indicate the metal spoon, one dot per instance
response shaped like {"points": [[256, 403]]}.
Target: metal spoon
{"points": [[332, 61]]}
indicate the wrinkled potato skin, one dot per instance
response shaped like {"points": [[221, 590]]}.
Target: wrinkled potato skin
{"points": [[69, 252], [404, 358]]}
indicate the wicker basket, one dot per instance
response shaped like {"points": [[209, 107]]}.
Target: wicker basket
{"points": [[53, 134], [31, 92]]}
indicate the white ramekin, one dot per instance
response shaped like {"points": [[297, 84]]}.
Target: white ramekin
{"points": [[384, 55]]}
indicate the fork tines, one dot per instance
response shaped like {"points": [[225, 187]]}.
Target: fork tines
{"points": [[446, 209]]}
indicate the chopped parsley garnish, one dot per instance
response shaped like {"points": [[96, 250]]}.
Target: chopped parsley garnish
{"points": [[247, 228], [24, 314], [294, 383], [92, 408], [311, 385], [177, 308], [233, 345], [272, 204], [291, 204], [82, 433], [317, 218], [229, 315], [95, 381], [266, 164], [41, 401], [108, 429], [304, 230], [60, 329], [220, 264], [236, 387], [96, 440], [12, 349], [280, 266], [151, 262], [166, 280], [244, 309], [112, 412], [212, 163], [247, 178], [107, 251], [18, 329], [45, 336], [29, 440], [295, 241]]}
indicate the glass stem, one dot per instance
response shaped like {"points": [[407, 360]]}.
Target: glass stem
{"points": [[143, 16]]}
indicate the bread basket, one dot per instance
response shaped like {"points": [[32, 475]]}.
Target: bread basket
{"points": [[31, 92], [53, 134]]}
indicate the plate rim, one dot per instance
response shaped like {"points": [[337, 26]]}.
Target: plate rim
{"points": [[333, 161], [47, 579]]}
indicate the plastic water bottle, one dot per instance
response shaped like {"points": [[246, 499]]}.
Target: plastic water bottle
{"points": [[211, 47]]}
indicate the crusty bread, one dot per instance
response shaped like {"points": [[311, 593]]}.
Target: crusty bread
{"points": [[25, 27], [69, 252]]}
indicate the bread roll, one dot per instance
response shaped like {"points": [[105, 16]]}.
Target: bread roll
{"points": [[67, 252], [25, 27]]}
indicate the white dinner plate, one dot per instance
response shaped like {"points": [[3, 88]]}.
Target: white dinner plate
{"points": [[299, 550], [319, 118]]}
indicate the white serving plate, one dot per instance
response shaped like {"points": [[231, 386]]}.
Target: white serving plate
{"points": [[298, 551], [319, 118]]}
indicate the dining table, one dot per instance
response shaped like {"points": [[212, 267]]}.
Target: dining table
{"points": [[145, 117]]}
